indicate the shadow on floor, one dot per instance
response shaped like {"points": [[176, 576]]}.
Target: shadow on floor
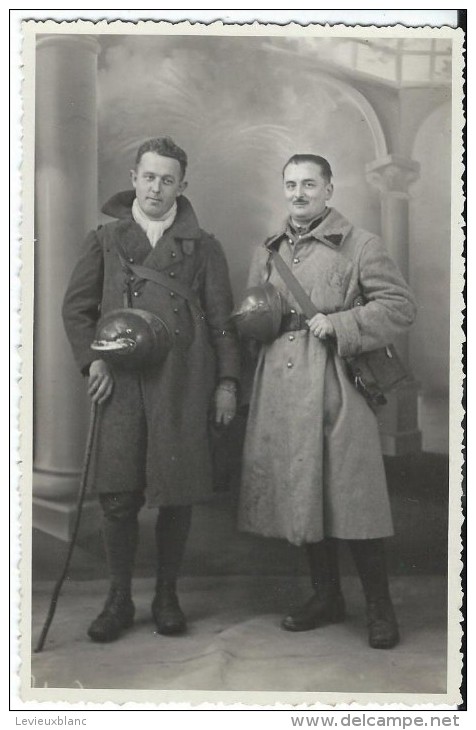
{"points": [[235, 590], [235, 643], [418, 488]]}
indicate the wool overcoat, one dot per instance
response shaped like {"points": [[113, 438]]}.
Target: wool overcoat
{"points": [[312, 460], [153, 430]]}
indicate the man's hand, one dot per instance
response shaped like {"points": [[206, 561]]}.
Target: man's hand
{"points": [[321, 326], [101, 382], [225, 402]]}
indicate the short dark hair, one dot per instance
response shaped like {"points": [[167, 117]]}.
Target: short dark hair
{"points": [[166, 147], [326, 171]]}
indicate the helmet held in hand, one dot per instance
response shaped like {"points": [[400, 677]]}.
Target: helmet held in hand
{"points": [[260, 313], [132, 339]]}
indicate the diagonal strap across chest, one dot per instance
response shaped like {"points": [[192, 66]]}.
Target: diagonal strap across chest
{"points": [[144, 272], [148, 274], [294, 286]]}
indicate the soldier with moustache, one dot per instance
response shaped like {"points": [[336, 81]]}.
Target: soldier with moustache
{"points": [[313, 471]]}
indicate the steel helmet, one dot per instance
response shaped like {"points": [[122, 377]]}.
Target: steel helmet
{"points": [[259, 314], [132, 339]]}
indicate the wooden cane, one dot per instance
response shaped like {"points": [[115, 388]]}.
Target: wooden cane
{"points": [[81, 495]]}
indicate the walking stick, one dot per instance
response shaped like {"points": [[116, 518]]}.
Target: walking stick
{"points": [[81, 495]]}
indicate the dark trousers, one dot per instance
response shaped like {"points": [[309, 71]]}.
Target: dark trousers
{"points": [[121, 533]]}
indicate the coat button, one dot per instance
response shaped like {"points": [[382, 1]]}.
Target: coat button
{"points": [[292, 311], [132, 278], [291, 338], [171, 293], [290, 364], [172, 274], [176, 309], [177, 332], [131, 261], [136, 294], [173, 254], [296, 261], [290, 240]]}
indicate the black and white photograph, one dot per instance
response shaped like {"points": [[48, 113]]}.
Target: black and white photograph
{"points": [[242, 295]]}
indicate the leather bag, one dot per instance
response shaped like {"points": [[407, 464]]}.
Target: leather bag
{"points": [[374, 373]]}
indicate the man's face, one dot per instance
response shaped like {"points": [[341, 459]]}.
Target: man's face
{"points": [[305, 190], [157, 182]]}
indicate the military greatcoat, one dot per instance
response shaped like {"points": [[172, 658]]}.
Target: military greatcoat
{"points": [[312, 462], [153, 430]]}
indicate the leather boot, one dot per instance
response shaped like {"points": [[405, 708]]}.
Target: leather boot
{"points": [[382, 624], [171, 532], [120, 528], [117, 615], [168, 616], [327, 604], [369, 557]]}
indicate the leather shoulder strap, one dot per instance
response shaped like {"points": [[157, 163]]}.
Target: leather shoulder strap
{"points": [[148, 274], [294, 286], [144, 272]]}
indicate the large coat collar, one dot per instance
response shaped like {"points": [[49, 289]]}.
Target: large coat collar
{"points": [[185, 224], [133, 243], [332, 231]]}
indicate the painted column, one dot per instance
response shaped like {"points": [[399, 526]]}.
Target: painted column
{"points": [[392, 175], [66, 208]]}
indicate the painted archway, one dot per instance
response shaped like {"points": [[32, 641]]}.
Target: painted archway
{"points": [[239, 115]]}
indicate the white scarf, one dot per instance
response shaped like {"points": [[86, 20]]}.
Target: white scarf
{"points": [[153, 229]]}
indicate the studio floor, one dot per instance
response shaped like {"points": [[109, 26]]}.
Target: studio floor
{"points": [[235, 590], [234, 641]]}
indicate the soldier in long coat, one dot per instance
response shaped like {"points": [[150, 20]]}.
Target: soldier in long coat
{"points": [[153, 430], [313, 469]]}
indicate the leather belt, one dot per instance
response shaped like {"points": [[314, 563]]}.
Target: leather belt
{"points": [[293, 321]]}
